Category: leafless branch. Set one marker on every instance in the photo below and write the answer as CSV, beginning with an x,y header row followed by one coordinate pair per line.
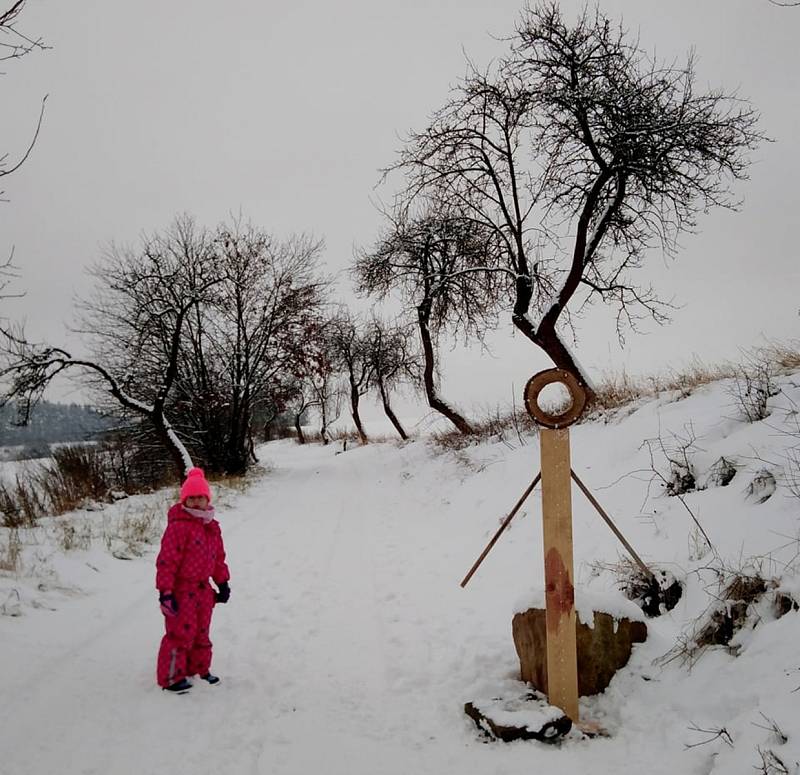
x,y
719,733
13,43
681,477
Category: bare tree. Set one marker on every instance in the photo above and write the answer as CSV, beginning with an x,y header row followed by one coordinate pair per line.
x,y
317,383
244,344
133,324
441,263
202,327
393,359
580,152
32,366
275,412
300,401
15,44
350,351
326,394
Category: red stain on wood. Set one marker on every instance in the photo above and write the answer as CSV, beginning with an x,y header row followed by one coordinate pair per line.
x,y
559,592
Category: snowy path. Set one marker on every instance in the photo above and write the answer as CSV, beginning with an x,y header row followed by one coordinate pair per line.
x,y
325,660
347,647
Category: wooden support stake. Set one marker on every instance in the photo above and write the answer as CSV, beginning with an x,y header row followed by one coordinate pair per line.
x,y
496,536
562,652
638,560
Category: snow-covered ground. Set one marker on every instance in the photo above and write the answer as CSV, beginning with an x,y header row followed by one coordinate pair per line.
x,y
349,647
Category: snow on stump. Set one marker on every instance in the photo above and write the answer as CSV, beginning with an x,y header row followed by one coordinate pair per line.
x,y
603,648
526,716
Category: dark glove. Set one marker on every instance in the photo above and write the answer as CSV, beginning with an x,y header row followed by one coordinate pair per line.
x,y
224,592
169,605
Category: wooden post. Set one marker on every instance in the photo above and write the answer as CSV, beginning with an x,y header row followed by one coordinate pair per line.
x,y
562,655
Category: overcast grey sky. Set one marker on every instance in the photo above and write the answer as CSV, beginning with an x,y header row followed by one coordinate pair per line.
x,y
286,111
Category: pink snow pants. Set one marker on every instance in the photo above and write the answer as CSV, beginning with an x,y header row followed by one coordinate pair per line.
x,y
186,648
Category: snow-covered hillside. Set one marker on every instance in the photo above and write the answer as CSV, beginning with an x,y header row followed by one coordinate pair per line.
x,y
349,647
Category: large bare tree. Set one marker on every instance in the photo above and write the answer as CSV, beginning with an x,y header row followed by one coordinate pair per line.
x,y
580,152
242,347
133,326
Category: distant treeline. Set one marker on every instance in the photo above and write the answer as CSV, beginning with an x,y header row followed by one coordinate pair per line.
x,y
52,422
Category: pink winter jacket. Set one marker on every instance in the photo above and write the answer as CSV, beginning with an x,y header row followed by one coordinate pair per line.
x,y
191,551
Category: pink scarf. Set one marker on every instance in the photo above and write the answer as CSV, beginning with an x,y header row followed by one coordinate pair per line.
x,y
205,514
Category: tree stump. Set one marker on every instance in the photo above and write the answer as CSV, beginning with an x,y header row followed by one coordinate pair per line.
x,y
602,649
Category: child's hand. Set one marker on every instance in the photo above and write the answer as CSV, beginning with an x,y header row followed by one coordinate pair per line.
x,y
169,605
224,593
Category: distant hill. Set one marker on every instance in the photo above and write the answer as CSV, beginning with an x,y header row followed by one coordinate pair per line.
x,y
51,423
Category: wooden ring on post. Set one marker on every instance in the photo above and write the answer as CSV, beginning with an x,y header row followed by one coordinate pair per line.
x,y
547,377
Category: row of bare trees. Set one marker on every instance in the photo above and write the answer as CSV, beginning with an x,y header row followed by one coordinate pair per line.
x,y
539,188
373,356
196,335
349,359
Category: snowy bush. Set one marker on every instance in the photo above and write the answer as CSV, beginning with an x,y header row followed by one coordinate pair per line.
x,y
677,454
75,474
125,536
744,598
11,552
763,486
79,476
21,503
721,473
681,479
73,535
653,594
752,387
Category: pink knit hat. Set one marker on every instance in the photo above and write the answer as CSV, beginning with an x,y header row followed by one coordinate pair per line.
x,y
195,484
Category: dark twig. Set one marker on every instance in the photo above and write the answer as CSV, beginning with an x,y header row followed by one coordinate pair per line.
x,y
715,734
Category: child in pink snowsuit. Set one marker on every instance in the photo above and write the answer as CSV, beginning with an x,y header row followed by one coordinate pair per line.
x,y
191,552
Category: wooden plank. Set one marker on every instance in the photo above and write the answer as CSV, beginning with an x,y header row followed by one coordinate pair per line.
x,y
562,655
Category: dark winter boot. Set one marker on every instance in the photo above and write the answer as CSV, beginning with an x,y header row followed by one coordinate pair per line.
x,y
210,679
179,687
